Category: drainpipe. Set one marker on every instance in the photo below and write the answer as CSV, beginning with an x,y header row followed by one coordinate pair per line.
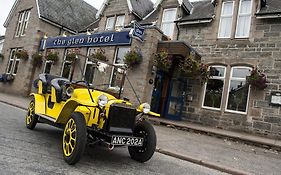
x,y
178,30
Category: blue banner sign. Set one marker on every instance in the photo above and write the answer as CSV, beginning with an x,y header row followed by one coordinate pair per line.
x,y
138,32
97,39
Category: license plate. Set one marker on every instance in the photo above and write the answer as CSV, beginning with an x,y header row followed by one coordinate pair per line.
x,y
127,140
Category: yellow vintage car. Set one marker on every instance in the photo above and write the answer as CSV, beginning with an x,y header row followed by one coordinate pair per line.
x,y
89,115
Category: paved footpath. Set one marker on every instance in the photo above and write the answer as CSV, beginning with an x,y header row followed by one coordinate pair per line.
x,y
220,154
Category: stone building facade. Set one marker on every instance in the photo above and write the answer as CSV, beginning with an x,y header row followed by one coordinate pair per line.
x,y
232,37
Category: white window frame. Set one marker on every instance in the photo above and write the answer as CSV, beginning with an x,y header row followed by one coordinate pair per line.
x,y
22,23
112,71
88,61
245,14
228,89
45,65
123,22
226,16
107,27
170,21
217,78
66,61
14,59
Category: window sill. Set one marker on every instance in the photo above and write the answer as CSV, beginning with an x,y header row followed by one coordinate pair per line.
x,y
210,108
235,112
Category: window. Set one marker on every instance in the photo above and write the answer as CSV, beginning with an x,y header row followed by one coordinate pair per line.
x,y
22,23
47,67
13,63
238,92
214,88
169,16
112,24
89,69
244,19
227,25
66,67
226,20
116,76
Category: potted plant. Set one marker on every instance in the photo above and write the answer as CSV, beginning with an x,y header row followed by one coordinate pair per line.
x,y
52,56
99,54
22,54
192,68
37,59
133,58
161,61
70,56
257,79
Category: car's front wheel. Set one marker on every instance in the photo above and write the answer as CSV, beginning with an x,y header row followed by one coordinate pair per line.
x,y
74,138
31,118
144,153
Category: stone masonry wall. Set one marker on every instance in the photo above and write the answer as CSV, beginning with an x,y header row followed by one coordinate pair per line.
x,y
261,49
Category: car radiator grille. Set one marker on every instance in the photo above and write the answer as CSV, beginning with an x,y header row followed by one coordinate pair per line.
x,y
121,118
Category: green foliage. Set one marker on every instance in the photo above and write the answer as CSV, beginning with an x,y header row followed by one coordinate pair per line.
x,y
52,56
37,59
99,54
162,62
257,79
133,58
70,56
22,54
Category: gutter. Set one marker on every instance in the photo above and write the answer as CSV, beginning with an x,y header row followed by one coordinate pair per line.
x,y
195,21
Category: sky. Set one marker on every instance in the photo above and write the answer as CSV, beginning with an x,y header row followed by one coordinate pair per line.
x,y
6,5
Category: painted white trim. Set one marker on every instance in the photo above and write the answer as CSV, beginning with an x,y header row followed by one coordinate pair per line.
x,y
221,18
100,11
130,5
223,89
158,2
268,16
196,22
6,23
238,16
38,10
227,95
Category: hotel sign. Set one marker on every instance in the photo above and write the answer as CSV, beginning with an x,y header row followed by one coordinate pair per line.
x,y
97,39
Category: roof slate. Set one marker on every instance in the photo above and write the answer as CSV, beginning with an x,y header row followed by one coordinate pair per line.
x,y
72,14
142,7
201,10
271,7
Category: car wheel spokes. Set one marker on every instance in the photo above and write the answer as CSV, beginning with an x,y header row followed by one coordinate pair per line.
x,y
69,137
30,113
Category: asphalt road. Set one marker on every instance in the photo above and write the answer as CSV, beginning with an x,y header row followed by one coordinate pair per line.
x,y
23,151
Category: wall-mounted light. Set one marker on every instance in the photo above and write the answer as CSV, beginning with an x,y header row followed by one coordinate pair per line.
x,y
64,34
88,32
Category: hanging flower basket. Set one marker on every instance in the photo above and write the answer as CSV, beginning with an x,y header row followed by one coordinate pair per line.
x,y
37,59
70,56
257,79
190,67
133,58
22,54
99,54
52,56
161,61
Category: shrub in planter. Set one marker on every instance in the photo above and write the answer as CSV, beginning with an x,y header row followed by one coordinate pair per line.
x,y
99,54
133,58
52,56
37,59
257,79
22,54
161,61
70,56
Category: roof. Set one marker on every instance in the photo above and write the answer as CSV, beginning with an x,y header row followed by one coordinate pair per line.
x,y
141,7
152,17
184,3
270,7
92,26
76,14
202,10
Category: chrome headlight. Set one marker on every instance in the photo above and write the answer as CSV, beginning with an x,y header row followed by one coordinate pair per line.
x,y
102,100
146,108
69,91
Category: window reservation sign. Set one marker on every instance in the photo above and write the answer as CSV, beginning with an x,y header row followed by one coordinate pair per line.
x,y
83,40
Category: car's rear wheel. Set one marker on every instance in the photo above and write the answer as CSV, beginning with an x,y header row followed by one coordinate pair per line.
x,y
31,118
74,138
144,153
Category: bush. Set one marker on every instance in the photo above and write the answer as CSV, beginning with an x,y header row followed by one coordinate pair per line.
x,y
162,62
133,58
99,54
22,54
52,56
257,79
70,56
37,59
